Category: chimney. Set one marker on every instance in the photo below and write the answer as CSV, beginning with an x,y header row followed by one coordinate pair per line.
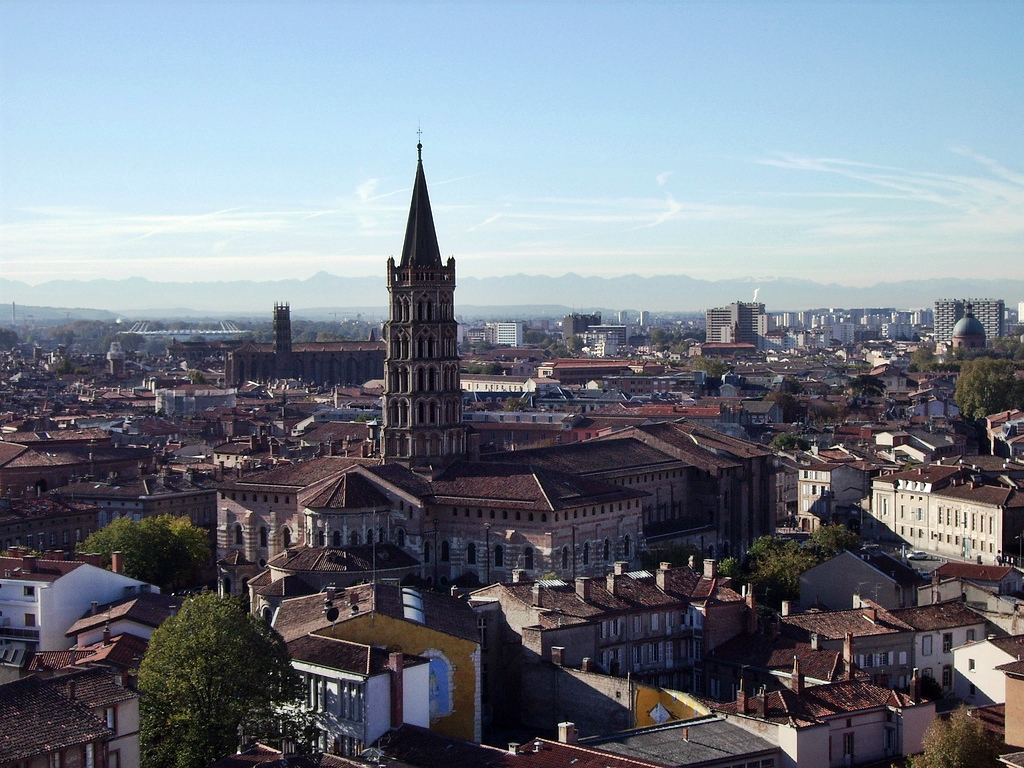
x,y
686,733
741,699
513,747
583,588
396,663
517,575
106,634
871,615
692,563
848,655
751,602
786,605
759,703
815,641
661,575
710,568
28,563
535,594
935,586
587,664
620,567
610,583
117,562
93,607
558,655
567,733
915,687
797,679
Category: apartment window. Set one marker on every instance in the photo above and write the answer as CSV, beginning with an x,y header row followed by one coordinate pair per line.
x,y
30,621
111,716
947,676
947,642
654,622
970,635
637,625
926,645
636,655
30,591
848,745
970,665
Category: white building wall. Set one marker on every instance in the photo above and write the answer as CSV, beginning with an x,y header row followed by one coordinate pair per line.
x,y
989,684
416,695
378,706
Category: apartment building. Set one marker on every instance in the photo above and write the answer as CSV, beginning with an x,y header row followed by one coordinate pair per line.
x,y
990,312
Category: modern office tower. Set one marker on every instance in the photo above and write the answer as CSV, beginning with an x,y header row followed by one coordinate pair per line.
x,y
575,323
990,312
740,322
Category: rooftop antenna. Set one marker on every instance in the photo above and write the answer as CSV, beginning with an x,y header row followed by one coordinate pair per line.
x,y
419,143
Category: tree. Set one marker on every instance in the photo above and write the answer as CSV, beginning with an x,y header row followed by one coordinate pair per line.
x,y
867,385
787,442
829,540
788,403
714,367
196,377
922,359
959,741
212,671
987,385
774,567
8,338
167,551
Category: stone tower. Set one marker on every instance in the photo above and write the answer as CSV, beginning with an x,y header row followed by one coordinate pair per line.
x,y
282,341
422,394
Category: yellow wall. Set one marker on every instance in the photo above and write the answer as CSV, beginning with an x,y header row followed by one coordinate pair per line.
x,y
679,705
417,639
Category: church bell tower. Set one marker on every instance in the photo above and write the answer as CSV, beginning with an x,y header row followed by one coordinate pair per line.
x,y
422,394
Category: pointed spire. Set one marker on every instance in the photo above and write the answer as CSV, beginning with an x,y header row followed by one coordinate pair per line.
x,y
420,249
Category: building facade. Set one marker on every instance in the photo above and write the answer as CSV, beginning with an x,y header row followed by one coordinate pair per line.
x,y
990,312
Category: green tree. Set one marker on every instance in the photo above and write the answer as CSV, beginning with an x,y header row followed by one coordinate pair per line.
x,y
787,442
196,377
167,551
866,385
211,672
829,540
987,385
516,404
788,403
922,359
960,741
714,367
774,567
8,338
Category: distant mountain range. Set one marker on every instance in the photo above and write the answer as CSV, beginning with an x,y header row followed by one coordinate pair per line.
x,y
325,295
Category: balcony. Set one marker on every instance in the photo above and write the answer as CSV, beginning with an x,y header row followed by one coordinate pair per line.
x,y
19,633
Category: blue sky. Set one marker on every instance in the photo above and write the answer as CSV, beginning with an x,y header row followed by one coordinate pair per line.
x,y
845,142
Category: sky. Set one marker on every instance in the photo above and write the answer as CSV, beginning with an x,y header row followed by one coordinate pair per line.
x,y
840,142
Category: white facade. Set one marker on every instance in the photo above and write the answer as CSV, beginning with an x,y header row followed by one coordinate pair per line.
x,y
36,612
977,682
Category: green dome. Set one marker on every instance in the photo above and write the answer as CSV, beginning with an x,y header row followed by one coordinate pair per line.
x,y
969,326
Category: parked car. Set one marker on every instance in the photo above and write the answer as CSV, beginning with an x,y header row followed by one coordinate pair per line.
x,y
917,554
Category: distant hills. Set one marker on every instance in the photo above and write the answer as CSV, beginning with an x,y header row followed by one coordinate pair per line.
x,y
324,295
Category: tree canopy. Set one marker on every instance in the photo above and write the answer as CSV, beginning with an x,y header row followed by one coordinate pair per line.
x,y
714,367
866,385
960,741
786,442
987,385
211,672
827,541
165,550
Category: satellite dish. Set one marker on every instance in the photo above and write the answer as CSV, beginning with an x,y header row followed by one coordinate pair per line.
x,y
331,614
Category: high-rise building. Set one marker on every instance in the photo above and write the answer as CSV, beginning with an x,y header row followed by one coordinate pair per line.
x,y
422,393
509,334
990,312
576,323
739,323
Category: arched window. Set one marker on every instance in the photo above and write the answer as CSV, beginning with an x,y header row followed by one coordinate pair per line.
x,y
286,537
353,539
528,558
369,537
446,552
607,549
426,551
586,553
401,537
239,535
263,536
625,545
380,535
499,556
320,537
471,554
336,539
565,558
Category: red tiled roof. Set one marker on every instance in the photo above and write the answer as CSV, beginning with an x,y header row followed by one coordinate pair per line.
x,y
149,609
943,615
974,571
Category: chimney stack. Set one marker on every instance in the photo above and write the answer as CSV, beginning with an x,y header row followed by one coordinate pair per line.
x,y
583,588
620,567
535,594
797,679
848,655
587,665
915,687
567,733
871,615
396,663
759,703
28,563
513,747
94,607
751,602
117,562
517,575
106,634
558,655
710,568
661,575
786,606
741,699
610,583
692,563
